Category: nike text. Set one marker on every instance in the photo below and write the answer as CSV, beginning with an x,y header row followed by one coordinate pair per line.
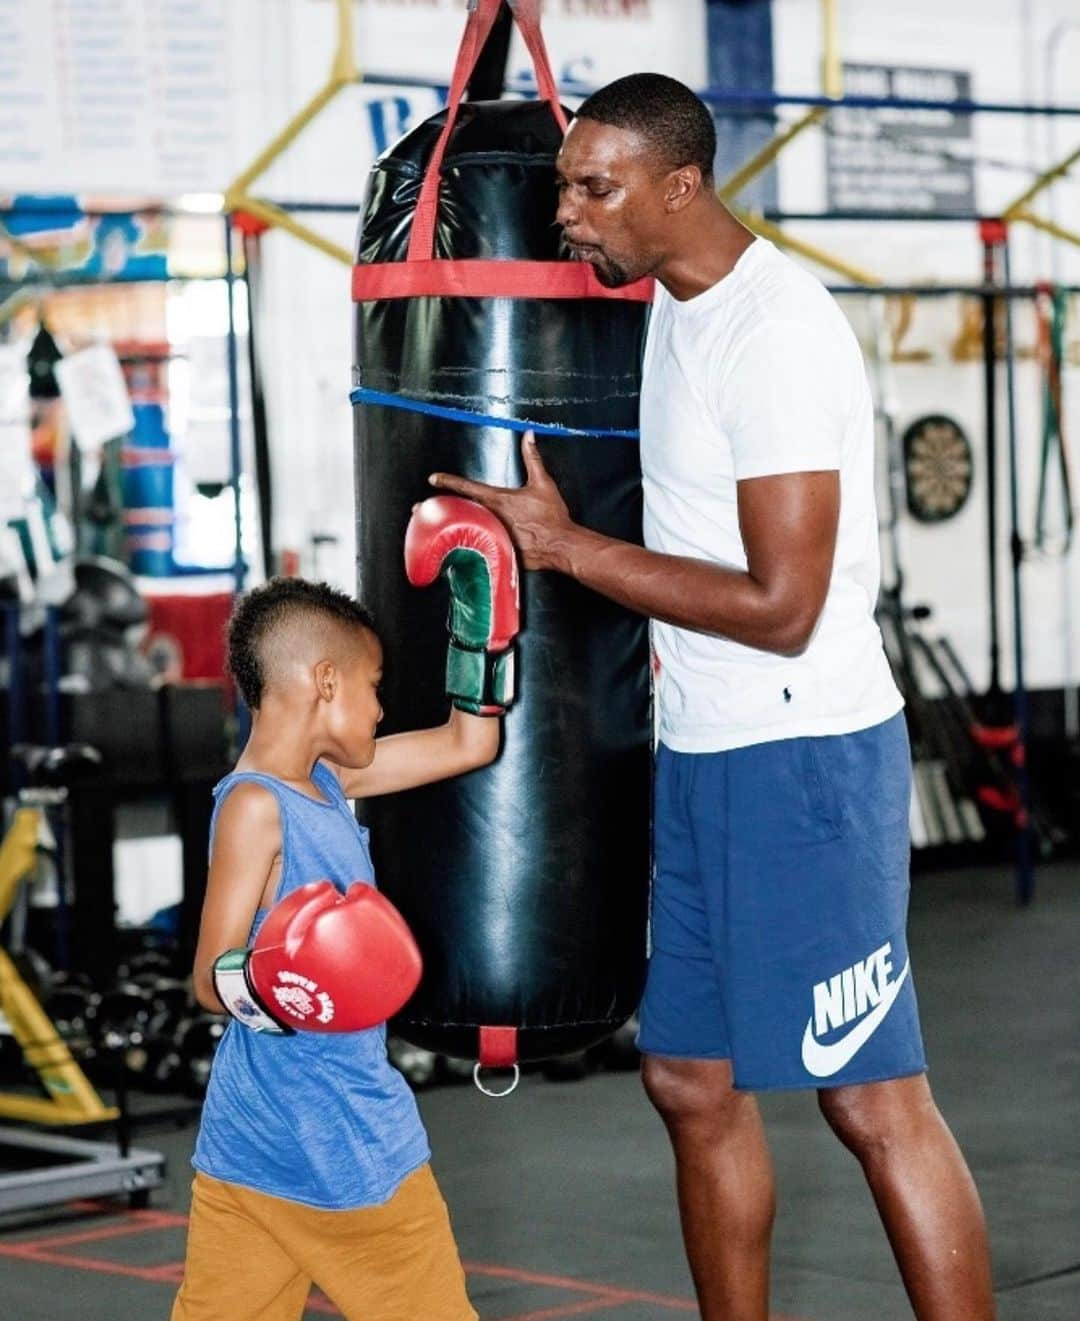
x,y
848,994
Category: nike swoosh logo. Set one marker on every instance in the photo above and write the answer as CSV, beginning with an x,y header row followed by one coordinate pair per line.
x,y
824,1061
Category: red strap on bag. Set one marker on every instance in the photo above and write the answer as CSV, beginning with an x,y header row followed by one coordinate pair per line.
x,y
482,16
527,14
483,278
421,274
498,1047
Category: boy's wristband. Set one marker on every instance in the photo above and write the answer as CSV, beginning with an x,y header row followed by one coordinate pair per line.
x,y
234,990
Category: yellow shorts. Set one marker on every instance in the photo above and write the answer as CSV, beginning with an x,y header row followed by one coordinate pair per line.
x,y
252,1256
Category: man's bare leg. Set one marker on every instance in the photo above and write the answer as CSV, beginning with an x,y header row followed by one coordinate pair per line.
x,y
924,1193
725,1183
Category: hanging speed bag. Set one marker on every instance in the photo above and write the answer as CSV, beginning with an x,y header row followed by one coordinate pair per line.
x,y
525,883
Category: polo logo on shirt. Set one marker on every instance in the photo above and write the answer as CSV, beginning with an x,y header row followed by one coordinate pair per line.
x,y
859,996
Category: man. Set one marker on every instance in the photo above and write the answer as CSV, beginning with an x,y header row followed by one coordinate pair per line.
x,y
779,953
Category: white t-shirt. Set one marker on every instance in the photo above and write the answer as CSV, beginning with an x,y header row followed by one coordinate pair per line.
x,y
761,374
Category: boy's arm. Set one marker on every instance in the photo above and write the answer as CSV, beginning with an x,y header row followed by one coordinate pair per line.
x,y
422,756
247,838
470,547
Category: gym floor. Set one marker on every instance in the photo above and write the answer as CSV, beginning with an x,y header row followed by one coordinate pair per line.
x,y
562,1196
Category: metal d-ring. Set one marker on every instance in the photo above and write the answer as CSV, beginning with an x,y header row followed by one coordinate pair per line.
x,y
487,1091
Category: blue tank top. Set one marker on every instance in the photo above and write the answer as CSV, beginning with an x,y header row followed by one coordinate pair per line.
x,y
319,1118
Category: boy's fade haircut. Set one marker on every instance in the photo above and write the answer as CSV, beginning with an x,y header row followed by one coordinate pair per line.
x,y
260,613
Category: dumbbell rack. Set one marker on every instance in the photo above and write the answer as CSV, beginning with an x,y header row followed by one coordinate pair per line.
x,y
41,1169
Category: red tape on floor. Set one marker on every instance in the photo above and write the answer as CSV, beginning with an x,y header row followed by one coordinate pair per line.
x,y
599,1297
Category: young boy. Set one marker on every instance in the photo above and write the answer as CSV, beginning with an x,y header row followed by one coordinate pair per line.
x,y
311,1160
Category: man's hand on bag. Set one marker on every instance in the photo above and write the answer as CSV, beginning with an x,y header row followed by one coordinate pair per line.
x,y
535,514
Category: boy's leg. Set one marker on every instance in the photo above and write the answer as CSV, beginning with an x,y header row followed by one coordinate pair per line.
x,y
923,1191
395,1262
234,1267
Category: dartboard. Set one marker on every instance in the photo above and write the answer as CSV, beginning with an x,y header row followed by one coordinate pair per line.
x,y
937,468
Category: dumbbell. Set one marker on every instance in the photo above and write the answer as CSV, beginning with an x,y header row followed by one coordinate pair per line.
x,y
568,1068
415,1064
154,1062
122,1016
455,1070
196,1041
34,969
619,1052
72,1004
147,966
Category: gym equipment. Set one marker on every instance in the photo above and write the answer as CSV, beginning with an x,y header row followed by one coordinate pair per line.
x,y
1025,868
98,659
62,1168
525,883
122,1017
417,1065
128,1035
251,231
568,1068
105,595
990,236
941,811
196,1041
73,1010
943,808
1051,308
996,752
99,626
41,364
620,1051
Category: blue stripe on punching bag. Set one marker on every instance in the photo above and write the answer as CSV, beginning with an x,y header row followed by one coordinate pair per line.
x,y
364,396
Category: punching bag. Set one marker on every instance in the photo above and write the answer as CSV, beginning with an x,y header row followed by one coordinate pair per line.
x,y
525,882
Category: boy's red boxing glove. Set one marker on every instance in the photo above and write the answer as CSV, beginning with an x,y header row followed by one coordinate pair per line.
x,y
472,548
322,962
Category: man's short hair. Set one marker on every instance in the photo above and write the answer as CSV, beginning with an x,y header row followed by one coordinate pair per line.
x,y
674,122
265,613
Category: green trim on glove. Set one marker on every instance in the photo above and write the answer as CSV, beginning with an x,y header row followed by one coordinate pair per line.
x,y
469,579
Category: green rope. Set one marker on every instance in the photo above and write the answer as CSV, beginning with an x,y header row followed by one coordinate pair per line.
x,y
1054,452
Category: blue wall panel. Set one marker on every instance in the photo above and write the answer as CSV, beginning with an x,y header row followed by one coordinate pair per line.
x,y
741,60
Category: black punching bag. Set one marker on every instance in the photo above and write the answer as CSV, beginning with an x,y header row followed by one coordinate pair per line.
x,y
526,882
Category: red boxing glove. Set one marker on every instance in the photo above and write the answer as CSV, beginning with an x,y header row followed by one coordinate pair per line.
x,y
471,547
322,962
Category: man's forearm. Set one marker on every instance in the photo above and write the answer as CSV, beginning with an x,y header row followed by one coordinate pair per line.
x,y
788,524
689,593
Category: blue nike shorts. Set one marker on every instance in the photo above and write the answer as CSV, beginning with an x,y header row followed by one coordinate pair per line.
x,y
779,911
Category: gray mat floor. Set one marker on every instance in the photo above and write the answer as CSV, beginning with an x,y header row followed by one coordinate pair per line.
x,y
562,1196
